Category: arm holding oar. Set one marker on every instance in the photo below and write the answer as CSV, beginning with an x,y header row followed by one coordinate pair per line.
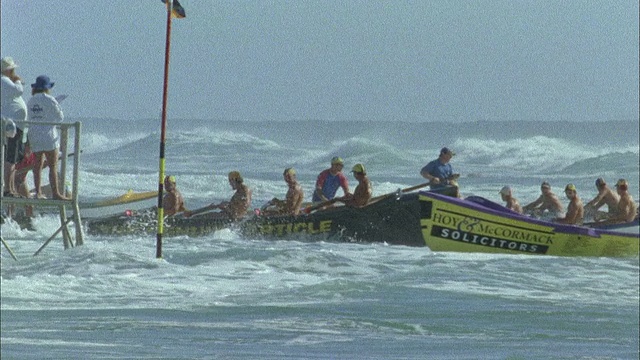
x,y
439,171
362,193
321,205
360,197
172,203
188,213
374,199
294,197
237,207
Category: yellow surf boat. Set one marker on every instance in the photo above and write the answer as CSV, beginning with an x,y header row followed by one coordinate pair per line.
x,y
478,225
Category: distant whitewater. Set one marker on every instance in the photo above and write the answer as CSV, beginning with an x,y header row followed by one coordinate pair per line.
x,y
489,154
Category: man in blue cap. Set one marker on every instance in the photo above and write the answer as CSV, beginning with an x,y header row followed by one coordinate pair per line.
x,y
439,172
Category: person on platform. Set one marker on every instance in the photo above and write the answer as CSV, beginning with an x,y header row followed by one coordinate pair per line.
x,y
605,196
329,181
511,202
439,172
547,202
293,200
362,193
236,208
27,164
22,170
12,107
575,210
172,202
44,139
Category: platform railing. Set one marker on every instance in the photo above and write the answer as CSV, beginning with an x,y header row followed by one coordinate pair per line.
x,y
60,204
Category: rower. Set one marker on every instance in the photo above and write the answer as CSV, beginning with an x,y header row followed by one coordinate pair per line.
x,y
236,207
172,202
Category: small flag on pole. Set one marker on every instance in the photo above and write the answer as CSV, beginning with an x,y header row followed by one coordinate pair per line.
x,y
177,11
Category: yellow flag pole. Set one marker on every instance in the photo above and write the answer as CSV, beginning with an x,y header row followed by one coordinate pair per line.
x,y
162,133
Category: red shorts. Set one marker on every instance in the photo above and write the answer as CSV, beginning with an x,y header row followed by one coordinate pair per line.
x,y
27,161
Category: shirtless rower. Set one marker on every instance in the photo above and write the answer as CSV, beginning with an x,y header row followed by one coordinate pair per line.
x,y
548,201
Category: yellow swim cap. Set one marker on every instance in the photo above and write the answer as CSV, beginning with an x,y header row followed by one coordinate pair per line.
x,y
570,187
235,176
622,182
171,179
337,160
358,168
290,171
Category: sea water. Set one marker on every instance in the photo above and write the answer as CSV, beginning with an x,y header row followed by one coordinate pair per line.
x,y
224,296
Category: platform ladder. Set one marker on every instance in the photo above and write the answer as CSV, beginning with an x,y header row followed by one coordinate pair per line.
x,y
60,204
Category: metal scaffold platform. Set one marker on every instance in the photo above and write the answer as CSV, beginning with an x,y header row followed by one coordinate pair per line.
x,y
9,203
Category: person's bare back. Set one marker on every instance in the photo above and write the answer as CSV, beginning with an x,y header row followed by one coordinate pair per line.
x,y
575,210
293,199
513,204
362,194
627,209
239,203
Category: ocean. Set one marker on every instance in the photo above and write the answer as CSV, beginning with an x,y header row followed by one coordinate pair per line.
x,y
227,297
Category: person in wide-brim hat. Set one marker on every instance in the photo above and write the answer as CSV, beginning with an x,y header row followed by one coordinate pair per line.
x,y
42,83
44,140
8,63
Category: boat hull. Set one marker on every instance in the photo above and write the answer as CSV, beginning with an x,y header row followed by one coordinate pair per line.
x,y
391,220
441,222
456,225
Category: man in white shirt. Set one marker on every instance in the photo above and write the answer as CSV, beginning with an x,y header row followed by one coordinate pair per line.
x,y
14,108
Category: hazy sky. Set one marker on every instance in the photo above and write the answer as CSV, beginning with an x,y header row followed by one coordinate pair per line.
x,y
334,59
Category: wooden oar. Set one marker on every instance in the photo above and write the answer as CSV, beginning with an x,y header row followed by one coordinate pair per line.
x,y
334,200
321,205
596,224
273,202
405,190
200,210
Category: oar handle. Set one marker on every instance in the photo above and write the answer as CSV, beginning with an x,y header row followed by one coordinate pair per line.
x,y
416,187
321,205
201,210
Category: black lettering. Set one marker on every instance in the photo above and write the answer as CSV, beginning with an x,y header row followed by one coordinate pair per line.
x,y
495,242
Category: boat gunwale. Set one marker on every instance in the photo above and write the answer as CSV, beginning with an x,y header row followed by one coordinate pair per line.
x,y
559,228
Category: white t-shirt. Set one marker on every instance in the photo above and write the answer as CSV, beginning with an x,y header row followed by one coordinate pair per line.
x,y
12,105
44,108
